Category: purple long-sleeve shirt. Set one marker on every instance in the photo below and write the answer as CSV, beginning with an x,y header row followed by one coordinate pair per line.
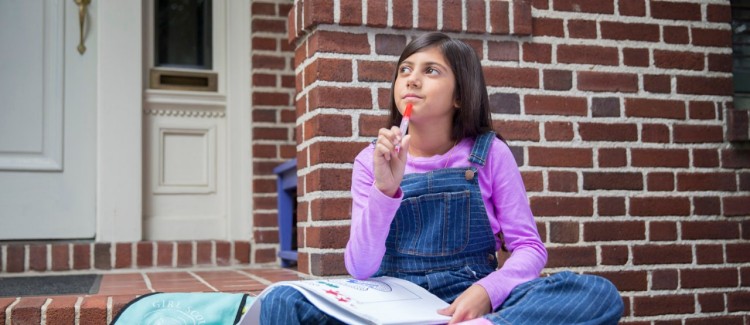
x,y
504,197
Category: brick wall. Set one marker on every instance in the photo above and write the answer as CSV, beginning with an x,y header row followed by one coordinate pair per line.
x,y
273,118
615,111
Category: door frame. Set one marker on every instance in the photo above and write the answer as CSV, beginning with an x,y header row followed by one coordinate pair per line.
x,y
119,120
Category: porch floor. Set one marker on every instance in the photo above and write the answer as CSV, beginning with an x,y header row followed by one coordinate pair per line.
x,y
117,289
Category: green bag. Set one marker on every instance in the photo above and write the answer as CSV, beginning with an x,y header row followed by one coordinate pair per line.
x,y
184,308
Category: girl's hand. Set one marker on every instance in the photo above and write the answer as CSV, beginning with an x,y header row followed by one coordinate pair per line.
x,y
472,303
389,165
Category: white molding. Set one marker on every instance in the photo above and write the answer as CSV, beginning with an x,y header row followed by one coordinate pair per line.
x,y
119,125
158,159
50,156
239,150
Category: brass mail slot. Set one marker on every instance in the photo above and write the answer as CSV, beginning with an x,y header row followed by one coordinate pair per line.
x,y
183,80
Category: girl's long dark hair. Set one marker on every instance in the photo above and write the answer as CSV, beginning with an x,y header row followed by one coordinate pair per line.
x,y
473,116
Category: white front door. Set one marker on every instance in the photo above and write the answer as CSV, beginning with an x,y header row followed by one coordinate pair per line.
x,y
48,97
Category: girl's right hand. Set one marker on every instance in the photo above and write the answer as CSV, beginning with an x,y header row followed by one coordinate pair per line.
x,y
389,165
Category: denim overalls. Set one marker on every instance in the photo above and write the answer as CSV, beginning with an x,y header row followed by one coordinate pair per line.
x,y
441,237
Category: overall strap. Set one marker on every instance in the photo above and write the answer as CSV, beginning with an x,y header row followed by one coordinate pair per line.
x,y
481,148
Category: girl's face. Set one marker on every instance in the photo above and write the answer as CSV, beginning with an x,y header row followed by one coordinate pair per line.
x,y
426,80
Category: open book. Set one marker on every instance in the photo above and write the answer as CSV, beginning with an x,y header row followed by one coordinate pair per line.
x,y
382,300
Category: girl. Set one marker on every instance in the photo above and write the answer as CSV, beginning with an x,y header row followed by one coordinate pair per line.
x,y
435,210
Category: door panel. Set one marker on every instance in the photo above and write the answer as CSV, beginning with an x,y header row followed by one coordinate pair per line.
x,y
47,122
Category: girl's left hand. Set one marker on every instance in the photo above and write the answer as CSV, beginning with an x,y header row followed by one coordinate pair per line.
x,y
472,303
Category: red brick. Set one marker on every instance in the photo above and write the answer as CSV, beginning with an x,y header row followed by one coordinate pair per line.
x,y
563,232
340,97
402,18
94,310
675,10
328,126
263,9
145,253
712,37
452,16
659,206
81,256
533,181
503,51
568,256
736,205
659,157
629,31
632,7
737,253
676,34
269,255
518,130
328,180
522,18
62,310
706,206
744,181
664,279
711,302
558,131
711,320
720,62
560,181
657,83
582,28
540,4
164,253
223,253
738,301
611,230
537,52
560,157
339,42
331,209
612,157
587,54
667,254
719,13
660,182
242,252
696,85
60,257
512,77
608,132
601,7
655,133
701,110
548,27
612,181
350,13
204,249
655,108
607,82
335,152
377,13
562,206
28,310
709,254
328,70
499,18
662,231
427,15
555,105
635,57
504,103
37,257
735,158
369,126
611,206
327,264
710,230
15,258
708,278
476,9
123,255
184,254
626,280
605,107
614,255
679,60
375,71
706,182
327,237
269,25
264,43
